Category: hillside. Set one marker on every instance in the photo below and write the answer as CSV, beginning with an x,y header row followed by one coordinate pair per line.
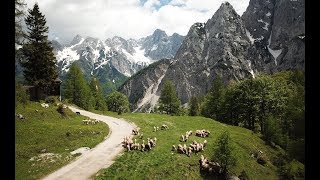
x,y
44,139
162,163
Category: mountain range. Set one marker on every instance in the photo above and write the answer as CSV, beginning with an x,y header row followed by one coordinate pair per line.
x,y
115,59
267,38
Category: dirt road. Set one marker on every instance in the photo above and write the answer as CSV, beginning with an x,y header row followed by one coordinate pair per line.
x,y
101,156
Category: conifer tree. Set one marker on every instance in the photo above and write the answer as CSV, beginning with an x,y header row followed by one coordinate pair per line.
x,y
194,106
76,88
39,63
169,101
96,90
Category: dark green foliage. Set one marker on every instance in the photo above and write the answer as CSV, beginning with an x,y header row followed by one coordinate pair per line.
x,y
194,106
39,63
52,99
212,106
223,152
76,88
169,102
21,95
243,175
64,111
99,102
117,102
292,170
273,132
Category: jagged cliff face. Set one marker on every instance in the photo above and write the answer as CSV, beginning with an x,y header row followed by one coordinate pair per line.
x,y
216,48
142,88
269,37
279,27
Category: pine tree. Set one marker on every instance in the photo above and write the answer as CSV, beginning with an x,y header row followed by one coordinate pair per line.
x,y
214,100
96,90
194,106
223,152
76,88
40,63
169,101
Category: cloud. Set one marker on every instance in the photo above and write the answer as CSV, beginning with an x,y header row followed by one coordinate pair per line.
x,y
129,19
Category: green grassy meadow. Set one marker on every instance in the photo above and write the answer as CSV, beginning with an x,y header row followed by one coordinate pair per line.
x,y
162,163
59,135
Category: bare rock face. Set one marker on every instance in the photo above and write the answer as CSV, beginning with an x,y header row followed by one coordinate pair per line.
x,y
279,27
269,37
216,48
142,88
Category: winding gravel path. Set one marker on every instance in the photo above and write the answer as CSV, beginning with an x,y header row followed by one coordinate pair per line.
x,y
101,156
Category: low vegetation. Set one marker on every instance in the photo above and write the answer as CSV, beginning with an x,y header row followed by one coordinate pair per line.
x,y
44,138
163,163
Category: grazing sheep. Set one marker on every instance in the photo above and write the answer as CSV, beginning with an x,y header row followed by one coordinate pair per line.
x,y
154,129
205,143
173,148
135,131
128,147
20,116
143,146
189,151
141,136
182,138
209,167
164,127
152,144
185,148
148,146
155,140
44,105
180,149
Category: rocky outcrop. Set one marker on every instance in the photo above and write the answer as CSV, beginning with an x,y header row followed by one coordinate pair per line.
x,y
269,37
216,48
142,88
279,27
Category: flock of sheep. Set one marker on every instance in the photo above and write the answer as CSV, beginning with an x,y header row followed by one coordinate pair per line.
x,y
90,121
210,167
195,147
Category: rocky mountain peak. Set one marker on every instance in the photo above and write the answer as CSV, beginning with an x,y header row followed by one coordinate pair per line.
x,y
76,40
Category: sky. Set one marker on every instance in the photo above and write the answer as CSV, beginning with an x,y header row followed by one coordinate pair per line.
x,y
125,18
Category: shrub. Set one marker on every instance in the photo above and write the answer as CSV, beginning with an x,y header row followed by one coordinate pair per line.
x,y
243,175
223,153
64,111
52,100
292,170
21,95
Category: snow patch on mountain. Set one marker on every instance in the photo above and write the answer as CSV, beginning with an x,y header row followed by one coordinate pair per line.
x,y
274,53
250,36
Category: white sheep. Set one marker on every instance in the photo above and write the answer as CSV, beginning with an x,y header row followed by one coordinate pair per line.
x,y
205,143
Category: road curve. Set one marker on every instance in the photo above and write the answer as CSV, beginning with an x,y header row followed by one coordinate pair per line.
x,y
101,156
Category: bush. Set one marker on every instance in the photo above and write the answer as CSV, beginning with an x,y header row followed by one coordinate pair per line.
x,y
292,170
117,102
262,160
243,175
223,153
64,111
21,95
52,100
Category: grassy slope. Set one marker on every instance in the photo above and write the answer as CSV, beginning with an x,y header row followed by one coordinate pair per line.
x,y
162,163
47,129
